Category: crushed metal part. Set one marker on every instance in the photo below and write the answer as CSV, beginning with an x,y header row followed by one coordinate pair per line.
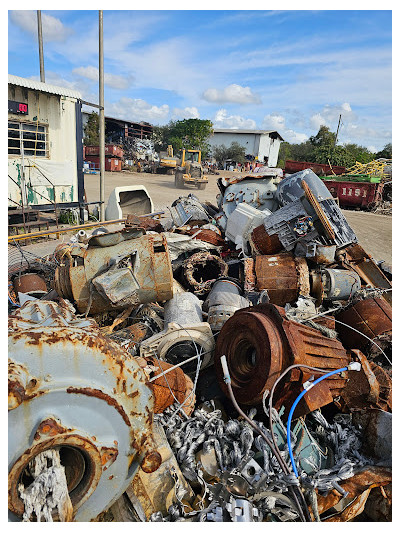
x,y
48,492
201,270
134,271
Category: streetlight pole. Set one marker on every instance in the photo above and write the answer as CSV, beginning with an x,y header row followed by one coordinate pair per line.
x,y
101,117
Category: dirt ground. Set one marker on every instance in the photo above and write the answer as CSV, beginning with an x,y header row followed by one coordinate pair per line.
x,y
373,231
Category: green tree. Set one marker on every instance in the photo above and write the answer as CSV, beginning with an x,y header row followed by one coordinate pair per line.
x,y
191,134
91,130
235,151
386,152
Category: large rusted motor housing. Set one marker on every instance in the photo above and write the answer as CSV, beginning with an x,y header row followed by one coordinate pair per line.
x,y
116,270
260,343
73,389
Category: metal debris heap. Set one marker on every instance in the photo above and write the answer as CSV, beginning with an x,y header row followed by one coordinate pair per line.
x,y
229,363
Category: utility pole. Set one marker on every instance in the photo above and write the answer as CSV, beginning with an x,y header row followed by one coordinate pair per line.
x,y
337,131
101,117
40,39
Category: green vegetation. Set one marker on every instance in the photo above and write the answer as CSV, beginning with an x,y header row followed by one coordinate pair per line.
x,y
386,152
320,148
235,151
91,130
190,134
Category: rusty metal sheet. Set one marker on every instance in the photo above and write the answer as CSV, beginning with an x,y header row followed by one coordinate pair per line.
x,y
371,387
358,487
249,274
371,316
147,223
356,258
174,383
30,283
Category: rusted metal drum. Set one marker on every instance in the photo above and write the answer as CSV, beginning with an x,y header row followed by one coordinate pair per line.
x,y
30,283
284,276
262,243
259,343
372,317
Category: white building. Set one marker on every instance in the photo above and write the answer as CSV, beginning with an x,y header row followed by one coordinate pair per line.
x,y
262,145
44,144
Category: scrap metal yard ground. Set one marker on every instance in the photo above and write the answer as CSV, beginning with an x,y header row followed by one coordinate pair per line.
x,y
374,231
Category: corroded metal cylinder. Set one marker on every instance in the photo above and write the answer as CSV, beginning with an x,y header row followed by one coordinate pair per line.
x,y
115,273
74,390
370,316
223,301
284,276
262,243
259,343
30,283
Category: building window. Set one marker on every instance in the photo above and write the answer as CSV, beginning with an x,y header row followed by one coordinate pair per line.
x,y
32,137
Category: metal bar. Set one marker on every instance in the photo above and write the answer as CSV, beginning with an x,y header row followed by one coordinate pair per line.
x,y
91,104
40,39
76,228
101,116
79,158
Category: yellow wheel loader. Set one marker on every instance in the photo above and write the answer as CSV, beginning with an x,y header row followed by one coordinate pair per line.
x,y
168,162
190,170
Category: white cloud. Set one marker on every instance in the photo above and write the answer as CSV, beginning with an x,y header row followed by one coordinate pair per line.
x,y
274,121
329,115
316,121
52,27
235,94
136,109
234,122
277,122
112,80
187,112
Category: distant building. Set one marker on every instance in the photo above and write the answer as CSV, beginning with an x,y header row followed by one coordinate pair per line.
x,y
262,145
44,144
118,130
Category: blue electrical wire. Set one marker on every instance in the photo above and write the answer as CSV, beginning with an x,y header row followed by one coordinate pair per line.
x,y
299,397
13,303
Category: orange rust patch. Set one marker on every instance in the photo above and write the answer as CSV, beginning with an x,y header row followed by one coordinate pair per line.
x,y
87,391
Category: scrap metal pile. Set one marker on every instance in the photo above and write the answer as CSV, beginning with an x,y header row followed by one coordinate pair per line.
x,y
229,362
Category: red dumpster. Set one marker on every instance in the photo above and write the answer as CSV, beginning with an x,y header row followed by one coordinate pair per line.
x,y
295,166
109,149
355,194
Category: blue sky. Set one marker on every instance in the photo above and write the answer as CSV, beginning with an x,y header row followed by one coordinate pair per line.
x,y
286,70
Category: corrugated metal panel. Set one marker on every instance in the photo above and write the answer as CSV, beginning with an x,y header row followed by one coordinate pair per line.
x,y
43,87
